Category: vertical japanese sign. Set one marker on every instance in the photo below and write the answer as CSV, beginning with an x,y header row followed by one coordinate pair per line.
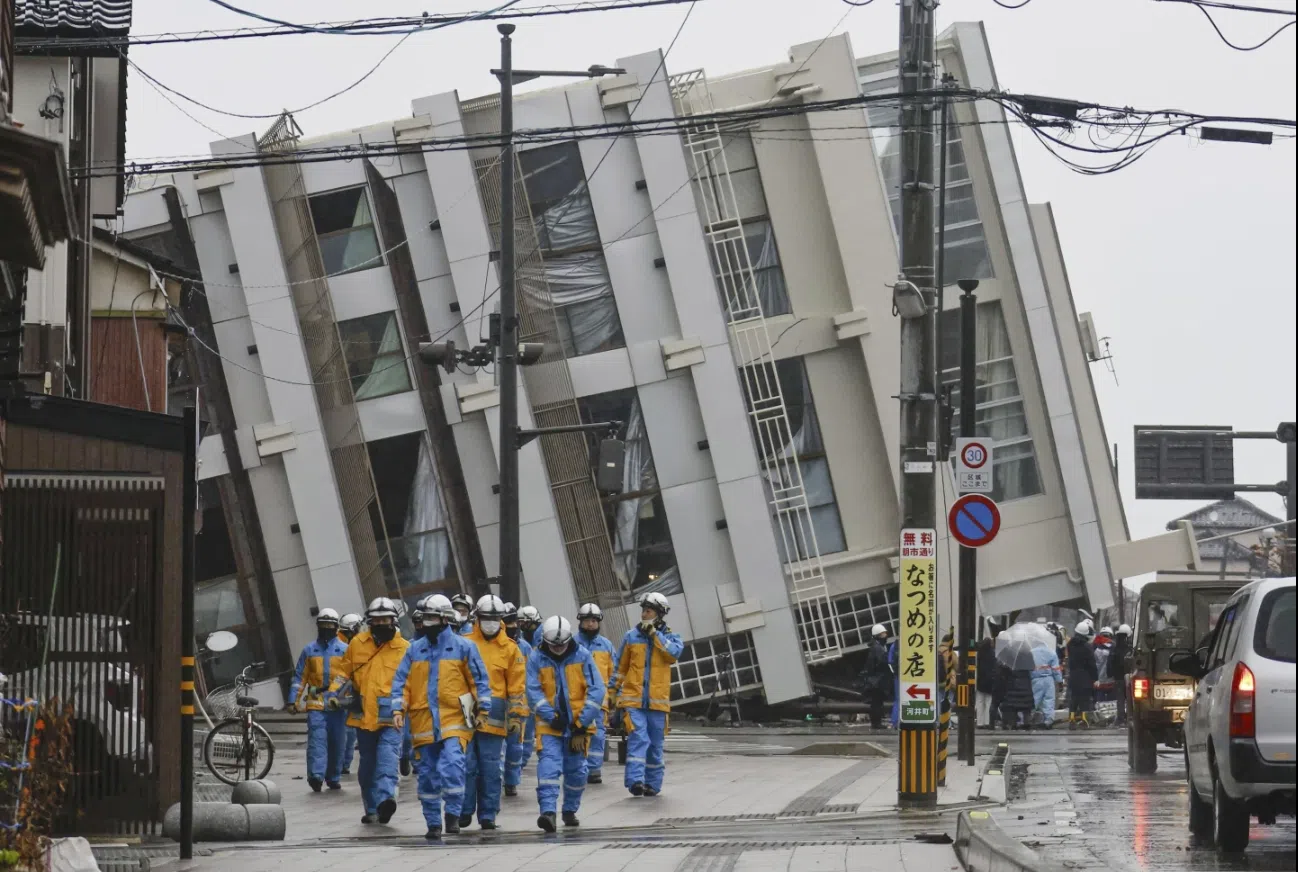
x,y
917,630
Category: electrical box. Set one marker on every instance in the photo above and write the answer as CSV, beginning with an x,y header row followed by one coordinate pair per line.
x,y
609,466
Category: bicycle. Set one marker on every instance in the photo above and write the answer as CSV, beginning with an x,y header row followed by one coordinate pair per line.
x,y
238,748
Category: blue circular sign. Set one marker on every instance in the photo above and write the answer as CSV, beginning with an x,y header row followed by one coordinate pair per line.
x,y
974,520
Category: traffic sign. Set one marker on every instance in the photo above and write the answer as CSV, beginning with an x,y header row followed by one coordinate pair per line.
x,y
974,520
917,631
973,466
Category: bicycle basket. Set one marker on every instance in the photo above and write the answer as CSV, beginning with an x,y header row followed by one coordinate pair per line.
x,y
226,750
220,703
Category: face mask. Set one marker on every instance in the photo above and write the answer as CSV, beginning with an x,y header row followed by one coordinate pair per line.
x,y
512,632
432,631
590,634
384,633
489,628
556,650
324,634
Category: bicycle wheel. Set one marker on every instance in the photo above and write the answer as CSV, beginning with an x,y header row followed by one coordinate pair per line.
x,y
229,757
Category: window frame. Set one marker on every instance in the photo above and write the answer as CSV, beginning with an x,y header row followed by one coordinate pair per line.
x,y
400,359
378,260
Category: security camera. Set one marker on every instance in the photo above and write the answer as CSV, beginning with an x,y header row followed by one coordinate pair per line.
x,y
530,352
438,354
968,285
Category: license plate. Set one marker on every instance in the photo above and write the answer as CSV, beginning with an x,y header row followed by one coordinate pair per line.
x,y
1173,692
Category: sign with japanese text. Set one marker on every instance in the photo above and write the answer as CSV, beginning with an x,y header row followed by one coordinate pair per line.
x,y
917,628
973,466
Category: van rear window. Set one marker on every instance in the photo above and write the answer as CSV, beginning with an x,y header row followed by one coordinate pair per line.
x,y
1274,637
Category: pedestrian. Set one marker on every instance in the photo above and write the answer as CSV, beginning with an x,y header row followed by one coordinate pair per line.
x,y
348,627
876,676
894,651
1102,646
567,693
371,661
529,631
516,742
947,668
589,619
642,676
1118,669
1082,675
1017,701
985,685
1046,675
438,692
463,605
507,674
326,731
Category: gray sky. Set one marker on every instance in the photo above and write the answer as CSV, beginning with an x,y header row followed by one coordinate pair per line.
x,y
1185,259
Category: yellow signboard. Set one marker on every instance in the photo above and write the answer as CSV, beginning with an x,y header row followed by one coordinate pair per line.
x,y
917,628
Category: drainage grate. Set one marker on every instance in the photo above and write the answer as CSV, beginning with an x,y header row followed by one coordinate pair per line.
x,y
818,797
748,846
841,808
716,818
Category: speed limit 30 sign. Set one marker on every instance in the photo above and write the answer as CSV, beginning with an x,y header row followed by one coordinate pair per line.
x,y
973,465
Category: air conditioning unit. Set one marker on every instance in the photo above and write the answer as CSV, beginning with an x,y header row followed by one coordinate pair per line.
x,y
1090,339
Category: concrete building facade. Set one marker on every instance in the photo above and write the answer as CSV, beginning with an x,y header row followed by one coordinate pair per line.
x,y
722,290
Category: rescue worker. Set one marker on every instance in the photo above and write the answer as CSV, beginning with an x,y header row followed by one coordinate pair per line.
x,y
988,706
947,668
589,619
529,630
876,676
516,742
463,605
440,687
642,676
326,731
1082,675
348,627
1046,675
1118,669
369,665
507,674
567,693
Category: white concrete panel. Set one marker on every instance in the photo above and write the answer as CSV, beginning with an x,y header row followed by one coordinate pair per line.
x,y
361,293
475,280
642,291
388,165
283,361
315,500
336,587
412,163
675,426
478,460
256,244
275,510
703,552
541,109
662,157
332,175
243,372
620,209
694,292
427,250
145,209
534,500
393,415
215,255
647,362
296,599
489,541
540,547
784,672
437,294
453,181
753,542
600,373
725,418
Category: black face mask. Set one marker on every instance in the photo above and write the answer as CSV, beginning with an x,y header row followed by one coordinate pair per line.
x,y
590,634
324,634
511,631
384,633
432,631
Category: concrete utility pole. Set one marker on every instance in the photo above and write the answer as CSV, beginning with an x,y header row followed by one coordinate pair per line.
x,y
968,596
507,363
914,297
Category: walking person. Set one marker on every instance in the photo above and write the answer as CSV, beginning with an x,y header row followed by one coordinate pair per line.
x,y
439,687
369,665
589,620
1118,669
1082,675
985,687
567,693
507,675
876,676
463,605
529,630
326,731
516,751
1046,676
348,627
643,679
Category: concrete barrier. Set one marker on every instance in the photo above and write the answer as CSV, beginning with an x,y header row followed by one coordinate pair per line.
x,y
982,846
993,784
228,822
263,792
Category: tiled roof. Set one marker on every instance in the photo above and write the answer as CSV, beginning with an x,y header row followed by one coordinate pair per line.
x,y
72,17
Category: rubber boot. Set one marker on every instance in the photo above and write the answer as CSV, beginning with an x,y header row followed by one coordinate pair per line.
x,y
595,778
570,819
387,808
452,824
511,790
404,766
466,819
433,834
334,785
315,783
368,819
637,789
649,791
487,825
546,822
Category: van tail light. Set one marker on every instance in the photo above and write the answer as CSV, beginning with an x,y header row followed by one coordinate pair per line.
x,y
1140,688
1242,697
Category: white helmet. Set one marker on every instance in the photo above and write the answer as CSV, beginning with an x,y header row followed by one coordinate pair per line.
x,y
878,630
438,604
1084,629
382,607
1124,630
657,602
350,622
590,610
529,615
1108,631
556,631
490,607
326,616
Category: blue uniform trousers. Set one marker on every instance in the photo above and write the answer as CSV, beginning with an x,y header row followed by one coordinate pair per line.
x,y
377,775
644,747
595,759
440,767
326,732
349,748
483,776
515,756
556,766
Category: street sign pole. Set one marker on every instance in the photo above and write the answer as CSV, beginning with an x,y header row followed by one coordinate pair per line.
x,y
967,595
917,685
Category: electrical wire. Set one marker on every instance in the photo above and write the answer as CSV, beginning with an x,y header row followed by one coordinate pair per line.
x,y
1203,6
1208,15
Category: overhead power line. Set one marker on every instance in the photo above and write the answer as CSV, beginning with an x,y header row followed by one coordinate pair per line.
x,y
1203,6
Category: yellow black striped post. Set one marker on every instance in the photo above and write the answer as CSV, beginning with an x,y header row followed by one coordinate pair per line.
x,y
917,781
943,734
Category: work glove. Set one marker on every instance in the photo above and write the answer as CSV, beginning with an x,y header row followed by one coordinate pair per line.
x,y
559,722
514,727
481,720
579,741
661,626
647,627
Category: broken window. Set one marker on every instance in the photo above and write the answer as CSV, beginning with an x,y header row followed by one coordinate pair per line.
x,y
409,516
344,228
376,360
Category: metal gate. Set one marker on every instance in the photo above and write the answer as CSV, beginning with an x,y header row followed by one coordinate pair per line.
x,y
80,602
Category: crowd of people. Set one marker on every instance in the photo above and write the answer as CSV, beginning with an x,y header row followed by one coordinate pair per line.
x,y
466,703
1017,691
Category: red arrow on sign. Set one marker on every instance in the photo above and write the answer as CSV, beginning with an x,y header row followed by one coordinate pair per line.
x,y
915,691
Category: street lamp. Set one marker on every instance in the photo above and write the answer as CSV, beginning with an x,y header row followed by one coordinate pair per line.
x,y
908,300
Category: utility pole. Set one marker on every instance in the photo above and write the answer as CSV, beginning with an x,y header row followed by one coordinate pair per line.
x,y
914,297
968,596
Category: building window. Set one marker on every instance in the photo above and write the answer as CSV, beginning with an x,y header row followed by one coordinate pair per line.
x,y
747,247
376,360
776,449
344,228
1001,416
643,555
859,612
408,517
716,666
967,255
576,281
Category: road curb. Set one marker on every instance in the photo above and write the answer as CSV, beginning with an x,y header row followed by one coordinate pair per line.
x,y
993,783
982,846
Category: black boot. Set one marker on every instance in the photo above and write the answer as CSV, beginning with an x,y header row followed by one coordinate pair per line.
x,y
570,819
387,808
433,834
595,778
487,825
452,824
368,818
315,783
651,791
637,789
334,785
466,819
404,766
511,790
546,822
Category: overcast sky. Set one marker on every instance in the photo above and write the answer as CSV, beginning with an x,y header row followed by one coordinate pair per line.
x,y
1185,259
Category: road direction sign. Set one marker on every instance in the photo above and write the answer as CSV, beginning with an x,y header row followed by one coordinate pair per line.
x,y
917,627
973,465
974,520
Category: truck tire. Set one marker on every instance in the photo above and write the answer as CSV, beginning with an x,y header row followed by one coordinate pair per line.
x,y
1229,820
1142,750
